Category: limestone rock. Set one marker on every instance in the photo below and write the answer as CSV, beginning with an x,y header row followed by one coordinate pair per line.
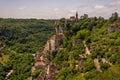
x,y
113,28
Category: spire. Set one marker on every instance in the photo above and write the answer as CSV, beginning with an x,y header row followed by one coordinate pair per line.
x,y
76,16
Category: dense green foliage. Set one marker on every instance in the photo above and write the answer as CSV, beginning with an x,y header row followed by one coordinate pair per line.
x,y
19,39
20,64
25,35
102,37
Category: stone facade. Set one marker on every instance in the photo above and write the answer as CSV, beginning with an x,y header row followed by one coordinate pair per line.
x,y
74,19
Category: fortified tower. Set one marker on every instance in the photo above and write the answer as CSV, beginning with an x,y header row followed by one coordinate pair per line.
x,y
76,16
74,19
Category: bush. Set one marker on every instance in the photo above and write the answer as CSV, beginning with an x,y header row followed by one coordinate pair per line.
x,y
82,34
88,65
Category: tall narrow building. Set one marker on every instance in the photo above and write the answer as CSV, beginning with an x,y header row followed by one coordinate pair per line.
x,y
76,16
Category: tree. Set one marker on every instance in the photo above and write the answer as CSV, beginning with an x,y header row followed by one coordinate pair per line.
x,y
88,65
82,34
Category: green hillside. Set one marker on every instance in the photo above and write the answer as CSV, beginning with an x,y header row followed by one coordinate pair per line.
x,y
19,39
25,35
91,50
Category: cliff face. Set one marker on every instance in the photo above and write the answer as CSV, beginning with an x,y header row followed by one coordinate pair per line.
x,y
113,27
53,44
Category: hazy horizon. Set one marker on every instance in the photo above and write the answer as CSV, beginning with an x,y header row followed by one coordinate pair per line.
x,y
55,9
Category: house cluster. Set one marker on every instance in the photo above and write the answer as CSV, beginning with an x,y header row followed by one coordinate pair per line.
x,y
74,18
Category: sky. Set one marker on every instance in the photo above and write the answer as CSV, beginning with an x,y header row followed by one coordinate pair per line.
x,y
55,9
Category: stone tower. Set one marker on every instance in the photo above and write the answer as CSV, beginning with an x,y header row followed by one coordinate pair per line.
x,y
76,16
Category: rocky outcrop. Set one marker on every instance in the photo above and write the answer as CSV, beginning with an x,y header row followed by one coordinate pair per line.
x,y
104,60
48,73
87,51
8,74
53,44
97,65
42,62
114,27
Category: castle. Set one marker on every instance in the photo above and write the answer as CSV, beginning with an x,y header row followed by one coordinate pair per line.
x,y
74,18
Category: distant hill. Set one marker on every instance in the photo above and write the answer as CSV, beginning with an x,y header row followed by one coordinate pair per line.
x,y
91,50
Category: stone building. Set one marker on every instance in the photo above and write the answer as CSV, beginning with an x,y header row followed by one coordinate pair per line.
x,y
85,16
74,18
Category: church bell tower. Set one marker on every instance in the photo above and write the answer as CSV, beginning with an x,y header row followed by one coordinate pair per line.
x,y
76,16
